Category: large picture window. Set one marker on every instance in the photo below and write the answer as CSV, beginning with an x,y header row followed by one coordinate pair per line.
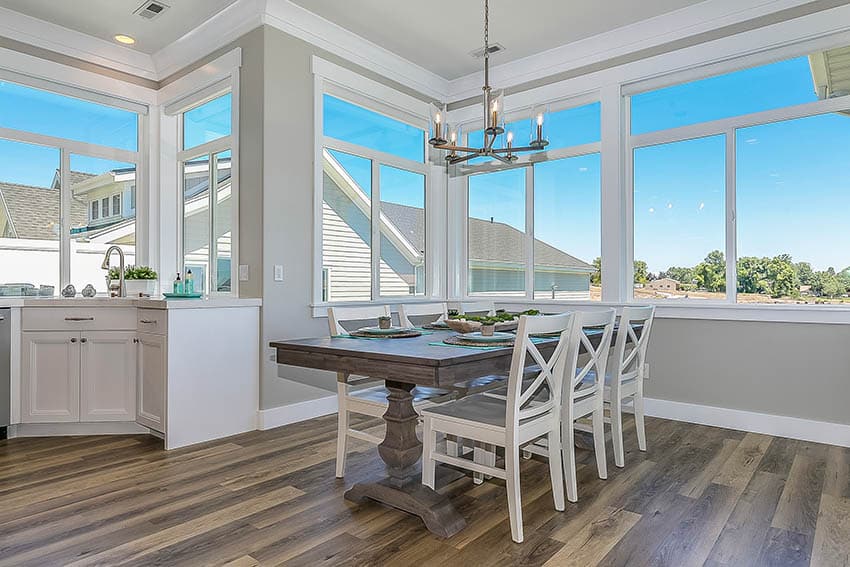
x,y
739,192
374,191
66,169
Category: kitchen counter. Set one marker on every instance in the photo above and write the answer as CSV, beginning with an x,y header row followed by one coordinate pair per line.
x,y
141,302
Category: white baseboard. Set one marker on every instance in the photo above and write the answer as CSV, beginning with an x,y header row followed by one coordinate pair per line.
x,y
777,425
293,413
65,429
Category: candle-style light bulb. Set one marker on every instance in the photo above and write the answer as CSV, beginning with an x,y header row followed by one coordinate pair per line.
x,y
540,126
510,138
495,109
454,137
438,127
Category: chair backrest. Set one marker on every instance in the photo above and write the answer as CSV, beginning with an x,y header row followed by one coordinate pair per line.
x,y
420,309
339,315
630,349
488,307
527,401
593,332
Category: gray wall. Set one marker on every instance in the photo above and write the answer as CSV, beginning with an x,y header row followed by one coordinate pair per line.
x,y
790,369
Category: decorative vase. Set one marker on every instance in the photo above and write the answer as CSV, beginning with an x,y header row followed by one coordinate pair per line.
x,y
488,330
385,322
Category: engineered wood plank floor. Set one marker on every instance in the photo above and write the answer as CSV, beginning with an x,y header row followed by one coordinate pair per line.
x,y
698,496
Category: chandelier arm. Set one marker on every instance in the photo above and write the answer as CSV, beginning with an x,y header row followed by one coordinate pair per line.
x,y
503,159
461,159
457,148
514,150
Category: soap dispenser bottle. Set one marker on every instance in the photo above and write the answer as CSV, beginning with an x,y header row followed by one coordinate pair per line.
x,y
178,286
190,283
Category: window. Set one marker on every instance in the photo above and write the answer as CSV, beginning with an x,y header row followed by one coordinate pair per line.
x,y
91,178
535,231
54,228
209,210
497,251
679,219
207,122
567,228
782,233
374,187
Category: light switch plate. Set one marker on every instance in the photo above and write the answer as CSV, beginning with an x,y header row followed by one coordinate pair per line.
x,y
278,273
243,272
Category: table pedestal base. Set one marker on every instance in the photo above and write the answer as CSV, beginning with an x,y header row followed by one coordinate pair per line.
x,y
436,511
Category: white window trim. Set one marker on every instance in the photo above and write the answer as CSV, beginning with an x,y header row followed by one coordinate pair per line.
x,y
210,81
343,83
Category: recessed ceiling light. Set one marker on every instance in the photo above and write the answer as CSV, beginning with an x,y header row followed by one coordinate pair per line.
x,y
125,39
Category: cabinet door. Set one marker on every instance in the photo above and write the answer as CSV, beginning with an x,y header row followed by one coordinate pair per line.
x,y
107,376
50,377
151,381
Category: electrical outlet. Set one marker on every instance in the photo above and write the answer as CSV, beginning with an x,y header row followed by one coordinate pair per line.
x,y
646,371
243,272
278,273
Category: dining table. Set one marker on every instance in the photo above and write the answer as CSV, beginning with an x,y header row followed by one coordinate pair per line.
x,y
403,364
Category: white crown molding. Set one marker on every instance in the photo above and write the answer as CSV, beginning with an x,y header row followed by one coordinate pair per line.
x,y
652,32
303,24
45,35
225,27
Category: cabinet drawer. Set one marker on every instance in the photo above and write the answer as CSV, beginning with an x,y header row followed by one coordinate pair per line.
x,y
152,321
78,319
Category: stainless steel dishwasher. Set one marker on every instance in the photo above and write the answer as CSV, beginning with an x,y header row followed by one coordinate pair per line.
x,y
5,369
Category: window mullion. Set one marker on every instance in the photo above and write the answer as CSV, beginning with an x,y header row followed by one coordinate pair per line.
x,y
376,229
731,224
64,217
529,232
212,271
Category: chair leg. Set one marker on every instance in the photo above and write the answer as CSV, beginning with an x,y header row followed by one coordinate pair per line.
x,y
479,455
341,433
568,445
514,497
451,446
429,439
556,468
599,441
639,425
617,432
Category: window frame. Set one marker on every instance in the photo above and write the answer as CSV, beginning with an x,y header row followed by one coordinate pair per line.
x,y
67,147
209,150
527,162
338,82
728,127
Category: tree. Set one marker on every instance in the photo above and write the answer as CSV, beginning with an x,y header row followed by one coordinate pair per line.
x,y
641,272
804,273
596,277
710,274
752,275
782,277
828,284
681,275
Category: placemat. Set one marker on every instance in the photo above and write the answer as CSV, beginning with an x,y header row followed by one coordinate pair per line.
x,y
403,335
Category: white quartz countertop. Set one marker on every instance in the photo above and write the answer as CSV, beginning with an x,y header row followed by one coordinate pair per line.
x,y
144,303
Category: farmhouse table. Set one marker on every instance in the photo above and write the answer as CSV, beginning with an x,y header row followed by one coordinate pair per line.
x,y
403,364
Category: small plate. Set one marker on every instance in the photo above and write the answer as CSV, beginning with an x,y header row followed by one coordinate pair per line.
x,y
494,338
380,331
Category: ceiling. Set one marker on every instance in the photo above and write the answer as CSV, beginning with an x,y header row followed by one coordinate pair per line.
x,y
105,18
439,34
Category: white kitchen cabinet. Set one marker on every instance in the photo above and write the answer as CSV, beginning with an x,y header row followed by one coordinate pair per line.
x,y
50,366
107,376
151,369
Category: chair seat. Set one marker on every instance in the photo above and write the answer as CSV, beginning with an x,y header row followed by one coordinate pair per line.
x,y
378,394
478,408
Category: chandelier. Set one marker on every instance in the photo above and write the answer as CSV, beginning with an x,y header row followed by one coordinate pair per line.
x,y
493,122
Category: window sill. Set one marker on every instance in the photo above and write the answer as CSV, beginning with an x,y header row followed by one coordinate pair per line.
x,y
320,310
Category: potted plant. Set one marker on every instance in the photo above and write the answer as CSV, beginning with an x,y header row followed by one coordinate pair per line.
x,y
385,322
138,280
488,325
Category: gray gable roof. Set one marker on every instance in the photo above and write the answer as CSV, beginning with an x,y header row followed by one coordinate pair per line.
x,y
488,241
34,211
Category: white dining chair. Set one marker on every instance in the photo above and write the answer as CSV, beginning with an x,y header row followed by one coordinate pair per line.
x,y
406,311
530,411
488,307
364,399
582,396
624,382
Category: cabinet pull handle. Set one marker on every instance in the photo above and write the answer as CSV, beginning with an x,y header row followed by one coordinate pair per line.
x,y
79,319
136,341
73,340
2,318
84,340
148,321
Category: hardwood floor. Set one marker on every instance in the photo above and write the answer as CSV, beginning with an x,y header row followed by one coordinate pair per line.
x,y
699,496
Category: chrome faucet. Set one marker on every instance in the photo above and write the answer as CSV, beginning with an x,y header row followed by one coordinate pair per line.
x,y
122,290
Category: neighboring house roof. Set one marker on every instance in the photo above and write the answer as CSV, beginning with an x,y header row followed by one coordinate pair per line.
x,y
831,72
34,211
75,176
494,242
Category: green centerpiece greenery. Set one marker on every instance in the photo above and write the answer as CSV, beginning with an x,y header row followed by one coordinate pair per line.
x,y
133,273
